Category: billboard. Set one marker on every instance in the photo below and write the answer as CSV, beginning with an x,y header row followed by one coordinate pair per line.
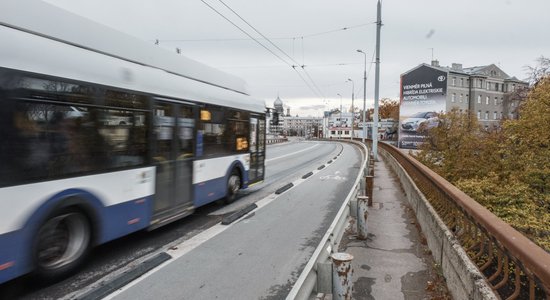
x,y
423,96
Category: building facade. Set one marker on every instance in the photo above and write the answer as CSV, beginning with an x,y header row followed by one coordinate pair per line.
x,y
309,127
338,124
426,90
486,90
278,110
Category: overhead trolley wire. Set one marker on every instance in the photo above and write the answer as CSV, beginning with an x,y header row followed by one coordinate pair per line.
x,y
243,31
257,41
272,38
277,47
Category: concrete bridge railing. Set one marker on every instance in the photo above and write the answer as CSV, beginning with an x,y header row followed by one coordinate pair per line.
x,y
481,256
275,140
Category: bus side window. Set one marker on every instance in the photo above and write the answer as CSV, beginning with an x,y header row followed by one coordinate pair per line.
x,y
17,133
238,131
213,130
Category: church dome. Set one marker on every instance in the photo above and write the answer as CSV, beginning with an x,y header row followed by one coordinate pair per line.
x,y
278,104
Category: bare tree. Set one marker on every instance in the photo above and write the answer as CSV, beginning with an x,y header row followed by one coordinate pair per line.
x,y
539,71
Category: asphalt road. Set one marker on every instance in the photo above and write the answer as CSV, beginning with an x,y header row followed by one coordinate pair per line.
x,y
264,252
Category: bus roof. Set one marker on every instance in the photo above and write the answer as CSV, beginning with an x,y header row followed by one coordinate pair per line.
x,y
52,22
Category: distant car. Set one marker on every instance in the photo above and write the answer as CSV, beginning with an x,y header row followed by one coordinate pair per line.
x,y
420,121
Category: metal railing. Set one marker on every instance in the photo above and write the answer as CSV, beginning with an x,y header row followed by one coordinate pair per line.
x,y
514,267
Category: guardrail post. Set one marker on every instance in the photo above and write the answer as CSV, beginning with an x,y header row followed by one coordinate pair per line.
x,y
362,187
324,277
369,180
353,208
371,169
342,272
362,215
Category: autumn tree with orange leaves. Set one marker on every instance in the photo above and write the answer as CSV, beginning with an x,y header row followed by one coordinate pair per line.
x,y
507,170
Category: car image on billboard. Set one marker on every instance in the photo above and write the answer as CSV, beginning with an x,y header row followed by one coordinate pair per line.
x,y
420,121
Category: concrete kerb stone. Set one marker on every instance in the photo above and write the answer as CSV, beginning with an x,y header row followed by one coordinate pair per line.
x,y
464,279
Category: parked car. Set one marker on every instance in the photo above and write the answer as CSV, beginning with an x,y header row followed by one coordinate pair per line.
x,y
420,121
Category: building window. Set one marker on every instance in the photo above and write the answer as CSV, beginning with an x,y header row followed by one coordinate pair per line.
x,y
346,132
495,115
480,83
461,81
479,99
486,115
333,132
496,86
479,114
488,85
486,100
496,100
454,81
460,99
453,97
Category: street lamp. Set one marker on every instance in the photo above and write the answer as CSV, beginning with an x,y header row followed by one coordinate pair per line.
x,y
364,95
340,131
352,107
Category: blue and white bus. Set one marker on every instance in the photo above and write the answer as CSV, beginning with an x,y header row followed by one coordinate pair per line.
x,y
103,135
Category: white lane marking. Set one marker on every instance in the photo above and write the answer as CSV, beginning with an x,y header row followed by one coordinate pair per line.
x,y
187,246
332,177
272,159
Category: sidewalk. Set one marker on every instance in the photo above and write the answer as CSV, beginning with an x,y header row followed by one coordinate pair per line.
x,y
394,262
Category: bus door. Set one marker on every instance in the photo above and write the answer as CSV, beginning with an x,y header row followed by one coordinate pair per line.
x,y
173,157
257,149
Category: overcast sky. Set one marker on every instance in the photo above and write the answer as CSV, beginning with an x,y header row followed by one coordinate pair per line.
x,y
508,33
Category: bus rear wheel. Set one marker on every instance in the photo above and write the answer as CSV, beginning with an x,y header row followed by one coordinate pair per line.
x,y
233,186
61,244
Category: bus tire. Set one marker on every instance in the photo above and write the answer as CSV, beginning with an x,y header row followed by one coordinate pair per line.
x,y
61,244
233,186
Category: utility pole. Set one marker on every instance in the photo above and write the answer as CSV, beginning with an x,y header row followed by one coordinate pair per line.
x,y
340,131
377,82
352,107
364,96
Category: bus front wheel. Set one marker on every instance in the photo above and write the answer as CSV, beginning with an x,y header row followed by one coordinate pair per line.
x,y
61,244
233,186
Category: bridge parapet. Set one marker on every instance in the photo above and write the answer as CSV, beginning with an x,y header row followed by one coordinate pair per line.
x,y
275,140
478,252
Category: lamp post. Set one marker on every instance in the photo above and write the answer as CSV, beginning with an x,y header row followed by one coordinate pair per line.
x,y
352,107
364,95
340,131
